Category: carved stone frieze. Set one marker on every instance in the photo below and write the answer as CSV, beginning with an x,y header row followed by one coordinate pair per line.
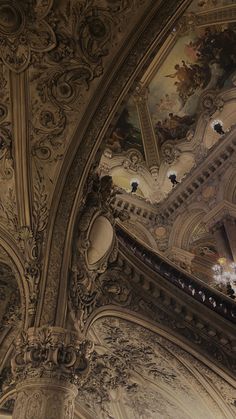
x,y
10,304
170,153
6,380
6,168
134,161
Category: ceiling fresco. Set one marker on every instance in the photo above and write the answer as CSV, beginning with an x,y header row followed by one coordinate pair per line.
x,y
178,94
166,137
200,60
127,132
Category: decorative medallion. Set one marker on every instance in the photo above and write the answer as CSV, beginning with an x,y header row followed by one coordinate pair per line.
x,y
23,30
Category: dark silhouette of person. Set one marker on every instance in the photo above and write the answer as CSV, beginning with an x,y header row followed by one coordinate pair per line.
x,y
134,187
218,128
173,179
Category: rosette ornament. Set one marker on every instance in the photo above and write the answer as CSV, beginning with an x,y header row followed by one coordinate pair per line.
x,y
24,30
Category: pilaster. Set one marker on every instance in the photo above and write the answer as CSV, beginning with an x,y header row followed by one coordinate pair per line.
x,y
151,149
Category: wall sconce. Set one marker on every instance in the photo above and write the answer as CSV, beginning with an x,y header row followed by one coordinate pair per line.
x,y
134,185
172,176
217,126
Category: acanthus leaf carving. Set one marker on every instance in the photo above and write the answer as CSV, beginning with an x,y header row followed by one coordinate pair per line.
x,y
40,209
51,352
85,277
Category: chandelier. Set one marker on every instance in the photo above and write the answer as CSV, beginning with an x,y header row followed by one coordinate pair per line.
x,y
225,276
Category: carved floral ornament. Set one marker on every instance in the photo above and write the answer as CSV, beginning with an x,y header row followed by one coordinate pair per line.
x,y
23,30
94,248
51,352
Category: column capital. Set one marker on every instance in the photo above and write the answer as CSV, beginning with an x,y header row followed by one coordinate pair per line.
x,y
51,352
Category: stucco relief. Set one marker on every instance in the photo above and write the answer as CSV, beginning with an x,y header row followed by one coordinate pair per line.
x,y
94,248
10,304
86,147
148,376
50,353
86,34
7,199
23,30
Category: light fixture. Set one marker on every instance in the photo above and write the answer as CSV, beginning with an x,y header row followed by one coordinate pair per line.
x,y
172,175
134,185
217,126
225,276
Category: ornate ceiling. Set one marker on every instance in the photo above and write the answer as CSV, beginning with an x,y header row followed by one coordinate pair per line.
x,y
188,85
166,128
126,88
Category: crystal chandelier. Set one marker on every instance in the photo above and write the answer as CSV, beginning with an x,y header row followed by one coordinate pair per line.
x,y
225,276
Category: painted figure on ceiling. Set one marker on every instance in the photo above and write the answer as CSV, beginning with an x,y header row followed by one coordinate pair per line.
x,y
125,135
207,60
174,127
189,78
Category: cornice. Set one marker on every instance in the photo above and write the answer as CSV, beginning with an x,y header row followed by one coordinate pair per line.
x,y
149,323
189,318
222,210
216,160
194,289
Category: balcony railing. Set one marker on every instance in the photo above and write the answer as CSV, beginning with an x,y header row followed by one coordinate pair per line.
x,y
190,285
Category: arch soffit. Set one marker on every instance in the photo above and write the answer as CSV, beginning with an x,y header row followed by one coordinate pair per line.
x,y
71,180
133,317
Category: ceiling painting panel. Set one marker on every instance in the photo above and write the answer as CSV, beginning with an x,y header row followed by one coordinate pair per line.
x,y
127,132
200,60
184,94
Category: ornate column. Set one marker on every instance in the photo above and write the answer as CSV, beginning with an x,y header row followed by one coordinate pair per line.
x,y
48,365
151,150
